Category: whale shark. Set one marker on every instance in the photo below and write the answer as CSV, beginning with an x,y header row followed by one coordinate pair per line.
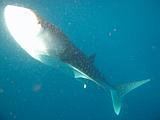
x,y
48,44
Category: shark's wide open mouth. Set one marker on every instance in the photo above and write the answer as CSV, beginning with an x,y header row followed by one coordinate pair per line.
x,y
24,27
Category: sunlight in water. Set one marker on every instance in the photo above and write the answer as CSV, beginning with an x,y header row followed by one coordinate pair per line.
x,y
24,26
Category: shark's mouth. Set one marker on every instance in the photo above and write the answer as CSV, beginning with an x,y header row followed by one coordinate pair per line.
x,y
25,28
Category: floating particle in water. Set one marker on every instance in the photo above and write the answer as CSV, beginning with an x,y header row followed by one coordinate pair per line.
x,y
84,86
132,57
109,34
25,100
19,91
153,47
115,30
61,91
75,1
69,23
1,90
12,82
83,40
12,115
37,87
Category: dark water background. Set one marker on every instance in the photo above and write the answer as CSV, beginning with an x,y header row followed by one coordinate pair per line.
x,y
124,34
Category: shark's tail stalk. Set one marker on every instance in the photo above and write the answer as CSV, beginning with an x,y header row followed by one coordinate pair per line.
x,y
120,91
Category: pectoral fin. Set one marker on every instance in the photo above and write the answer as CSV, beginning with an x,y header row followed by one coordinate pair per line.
x,y
79,74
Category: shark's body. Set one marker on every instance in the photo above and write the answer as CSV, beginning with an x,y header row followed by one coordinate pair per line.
x,y
48,44
63,50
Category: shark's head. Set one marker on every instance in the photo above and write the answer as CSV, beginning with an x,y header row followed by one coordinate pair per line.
x,y
25,28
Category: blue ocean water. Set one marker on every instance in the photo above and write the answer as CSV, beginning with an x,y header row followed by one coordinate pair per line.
x,y
125,37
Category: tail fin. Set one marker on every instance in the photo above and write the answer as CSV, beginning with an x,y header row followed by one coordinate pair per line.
x,y
120,91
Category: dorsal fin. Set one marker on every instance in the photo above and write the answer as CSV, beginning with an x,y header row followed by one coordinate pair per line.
x,y
92,57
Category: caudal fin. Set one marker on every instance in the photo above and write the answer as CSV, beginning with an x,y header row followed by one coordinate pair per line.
x,y
120,91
